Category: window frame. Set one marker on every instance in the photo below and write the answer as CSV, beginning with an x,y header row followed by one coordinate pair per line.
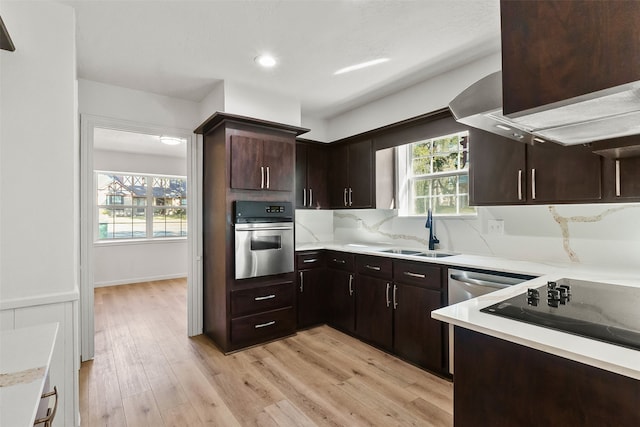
x,y
149,208
405,180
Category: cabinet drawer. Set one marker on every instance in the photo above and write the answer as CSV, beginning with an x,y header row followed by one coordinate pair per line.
x,y
248,301
341,260
418,273
374,266
263,326
307,260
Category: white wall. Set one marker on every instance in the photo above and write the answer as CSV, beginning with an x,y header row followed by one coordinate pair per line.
x,y
128,262
430,95
116,102
318,129
254,102
213,102
38,184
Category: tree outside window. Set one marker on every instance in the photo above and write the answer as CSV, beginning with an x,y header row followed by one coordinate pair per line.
x,y
134,206
437,176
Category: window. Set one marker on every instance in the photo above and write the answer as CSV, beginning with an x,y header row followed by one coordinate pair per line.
x,y
132,206
434,174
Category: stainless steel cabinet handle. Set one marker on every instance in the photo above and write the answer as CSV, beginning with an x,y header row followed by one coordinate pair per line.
x,y
262,325
350,284
410,274
267,176
301,282
388,298
345,197
395,296
307,261
339,261
304,197
310,197
373,267
519,184
617,178
264,297
533,184
261,176
350,196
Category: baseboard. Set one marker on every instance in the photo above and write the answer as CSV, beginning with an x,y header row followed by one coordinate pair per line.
x,y
139,280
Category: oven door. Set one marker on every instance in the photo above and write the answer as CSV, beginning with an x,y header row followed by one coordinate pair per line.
x,y
263,249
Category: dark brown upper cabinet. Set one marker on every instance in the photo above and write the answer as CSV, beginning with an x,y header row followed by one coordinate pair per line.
x,y
351,175
311,176
554,50
506,172
258,163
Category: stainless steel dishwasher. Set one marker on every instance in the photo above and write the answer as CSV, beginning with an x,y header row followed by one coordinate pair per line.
x,y
467,284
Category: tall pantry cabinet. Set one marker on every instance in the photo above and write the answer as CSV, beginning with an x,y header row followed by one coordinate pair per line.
x,y
254,160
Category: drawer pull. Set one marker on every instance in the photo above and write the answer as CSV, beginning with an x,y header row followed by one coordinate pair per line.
x,y
339,261
264,325
264,297
306,261
388,299
373,267
410,274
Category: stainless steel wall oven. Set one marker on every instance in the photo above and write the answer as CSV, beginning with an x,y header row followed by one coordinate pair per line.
x,y
264,242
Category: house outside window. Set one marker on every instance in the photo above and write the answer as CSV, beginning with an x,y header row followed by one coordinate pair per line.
x,y
434,174
137,206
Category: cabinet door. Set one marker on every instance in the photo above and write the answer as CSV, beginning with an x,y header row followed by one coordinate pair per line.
x,y
301,176
278,161
374,312
338,176
342,300
311,297
317,165
563,174
360,175
497,170
246,159
545,59
417,337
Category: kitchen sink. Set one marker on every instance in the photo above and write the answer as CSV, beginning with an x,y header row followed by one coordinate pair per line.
x,y
433,254
427,254
401,251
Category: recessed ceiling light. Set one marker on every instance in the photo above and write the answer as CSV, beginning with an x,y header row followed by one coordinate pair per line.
x,y
171,140
361,65
266,61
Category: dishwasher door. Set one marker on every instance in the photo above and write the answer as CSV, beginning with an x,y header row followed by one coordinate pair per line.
x,y
464,285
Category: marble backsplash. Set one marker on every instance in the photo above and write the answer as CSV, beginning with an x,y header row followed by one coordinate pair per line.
x,y
598,234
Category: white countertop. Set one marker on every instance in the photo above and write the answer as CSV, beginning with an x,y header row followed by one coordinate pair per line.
x,y
467,314
25,357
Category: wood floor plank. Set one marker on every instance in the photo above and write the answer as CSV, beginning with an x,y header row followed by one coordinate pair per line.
x,y
147,371
141,410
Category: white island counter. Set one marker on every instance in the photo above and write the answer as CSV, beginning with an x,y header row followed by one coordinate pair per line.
x,y
25,357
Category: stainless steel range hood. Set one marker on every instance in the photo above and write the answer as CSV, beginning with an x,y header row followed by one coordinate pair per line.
x,y
605,114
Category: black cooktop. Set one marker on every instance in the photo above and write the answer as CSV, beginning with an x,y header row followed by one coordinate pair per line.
x,y
605,312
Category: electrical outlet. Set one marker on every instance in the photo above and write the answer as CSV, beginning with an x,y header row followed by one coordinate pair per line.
x,y
495,226
359,223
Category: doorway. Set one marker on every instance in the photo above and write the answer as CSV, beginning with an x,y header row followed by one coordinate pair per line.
x,y
139,202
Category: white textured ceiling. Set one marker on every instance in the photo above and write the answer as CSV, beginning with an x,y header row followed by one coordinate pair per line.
x,y
183,48
133,142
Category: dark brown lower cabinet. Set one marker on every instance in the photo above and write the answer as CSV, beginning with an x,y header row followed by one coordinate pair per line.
x,y
417,337
499,383
374,316
312,300
341,297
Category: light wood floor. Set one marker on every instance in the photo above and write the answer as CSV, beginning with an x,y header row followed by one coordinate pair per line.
x,y
146,372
